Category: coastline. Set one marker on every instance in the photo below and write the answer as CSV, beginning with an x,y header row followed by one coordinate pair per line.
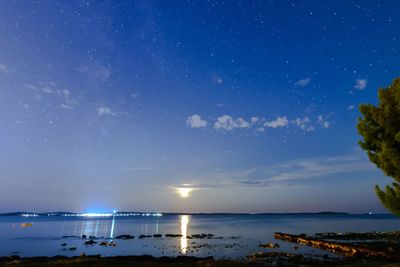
x,y
150,261
170,247
365,252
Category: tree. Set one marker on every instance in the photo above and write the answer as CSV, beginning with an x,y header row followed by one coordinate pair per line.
x,y
380,131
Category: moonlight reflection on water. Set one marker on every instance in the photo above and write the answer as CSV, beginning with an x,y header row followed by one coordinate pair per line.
x,y
184,227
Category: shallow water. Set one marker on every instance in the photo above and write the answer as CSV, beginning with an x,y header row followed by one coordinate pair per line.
x,y
45,236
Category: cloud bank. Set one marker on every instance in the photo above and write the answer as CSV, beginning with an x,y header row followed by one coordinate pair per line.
x,y
227,123
195,121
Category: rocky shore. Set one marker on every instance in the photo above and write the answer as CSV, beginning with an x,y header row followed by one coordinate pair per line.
x,y
263,259
369,244
351,249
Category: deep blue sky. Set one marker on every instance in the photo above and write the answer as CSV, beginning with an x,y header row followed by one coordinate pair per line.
x,y
252,104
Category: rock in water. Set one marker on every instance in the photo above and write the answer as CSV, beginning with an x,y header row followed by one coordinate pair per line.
x,y
125,237
269,245
90,242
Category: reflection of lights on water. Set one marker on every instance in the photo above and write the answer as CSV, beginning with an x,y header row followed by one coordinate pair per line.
x,y
184,227
112,227
96,228
104,224
90,226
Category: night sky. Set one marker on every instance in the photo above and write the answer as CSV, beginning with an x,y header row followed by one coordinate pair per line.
x,y
191,106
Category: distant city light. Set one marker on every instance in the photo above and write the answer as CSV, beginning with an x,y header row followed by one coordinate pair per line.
x,y
96,214
110,214
90,214
29,215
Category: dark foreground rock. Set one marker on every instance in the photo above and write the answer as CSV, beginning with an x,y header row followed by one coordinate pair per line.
x,y
346,249
258,259
90,242
173,235
97,260
145,236
269,245
125,237
395,235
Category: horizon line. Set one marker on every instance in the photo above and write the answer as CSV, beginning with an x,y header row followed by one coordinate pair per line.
x,y
198,213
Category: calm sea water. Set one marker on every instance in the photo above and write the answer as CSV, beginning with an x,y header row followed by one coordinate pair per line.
x,y
235,236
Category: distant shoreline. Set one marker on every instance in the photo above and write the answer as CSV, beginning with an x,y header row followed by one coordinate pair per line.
x,y
19,213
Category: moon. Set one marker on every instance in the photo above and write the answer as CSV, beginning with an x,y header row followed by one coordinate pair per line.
x,y
184,192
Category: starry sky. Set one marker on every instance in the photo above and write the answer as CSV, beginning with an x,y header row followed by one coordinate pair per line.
x,y
246,106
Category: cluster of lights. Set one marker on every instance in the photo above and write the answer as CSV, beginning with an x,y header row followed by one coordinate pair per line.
x,y
111,214
96,214
88,215
29,215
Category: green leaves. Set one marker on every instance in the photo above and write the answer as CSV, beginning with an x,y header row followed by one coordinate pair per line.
x,y
380,131
390,197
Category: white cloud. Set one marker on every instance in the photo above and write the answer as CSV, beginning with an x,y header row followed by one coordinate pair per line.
x,y
303,82
30,87
69,102
195,121
293,172
242,123
217,79
227,123
65,106
96,71
304,124
47,90
50,88
351,107
323,122
66,92
254,120
309,168
101,111
260,124
3,68
360,84
103,72
278,122
82,68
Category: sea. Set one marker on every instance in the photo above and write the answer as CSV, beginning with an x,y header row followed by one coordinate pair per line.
x,y
224,236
